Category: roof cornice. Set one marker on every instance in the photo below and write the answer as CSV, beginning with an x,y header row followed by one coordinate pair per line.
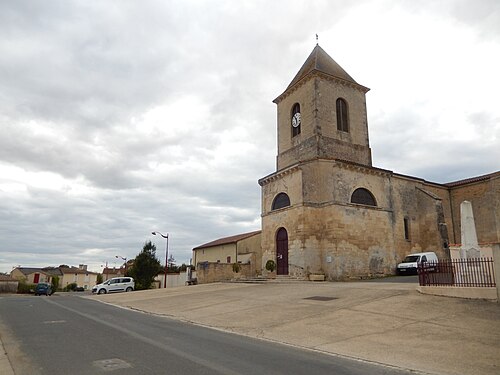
x,y
314,74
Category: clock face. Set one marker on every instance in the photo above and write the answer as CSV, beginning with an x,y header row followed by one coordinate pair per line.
x,y
296,120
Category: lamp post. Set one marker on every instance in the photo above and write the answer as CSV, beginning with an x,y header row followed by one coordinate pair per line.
x,y
166,256
125,260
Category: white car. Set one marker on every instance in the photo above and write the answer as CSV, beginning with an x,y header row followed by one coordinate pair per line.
x,y
411,262
116,284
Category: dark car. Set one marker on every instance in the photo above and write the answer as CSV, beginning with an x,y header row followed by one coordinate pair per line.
x,y
43,288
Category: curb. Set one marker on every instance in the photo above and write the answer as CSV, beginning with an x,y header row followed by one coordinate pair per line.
x,y
5,365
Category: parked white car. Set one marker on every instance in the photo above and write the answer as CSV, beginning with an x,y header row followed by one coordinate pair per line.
x,y
410,263
116,284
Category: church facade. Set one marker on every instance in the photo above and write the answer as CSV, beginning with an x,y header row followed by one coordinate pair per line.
x,y
327,210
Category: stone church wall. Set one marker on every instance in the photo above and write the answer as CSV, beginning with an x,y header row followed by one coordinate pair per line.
x,y
252,245
297,145
329,234
443,193
356,241
327,113
319,118
426,216
485,199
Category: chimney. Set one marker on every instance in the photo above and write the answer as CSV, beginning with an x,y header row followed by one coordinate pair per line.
x,y
82,267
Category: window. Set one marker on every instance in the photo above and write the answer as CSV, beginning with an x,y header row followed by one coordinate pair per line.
x,y
363,196
407,228
280,201
228,260
342,115
296,119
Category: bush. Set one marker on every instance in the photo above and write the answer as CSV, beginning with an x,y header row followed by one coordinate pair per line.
x,y
236,267
270,265
55,283
70,287
24,288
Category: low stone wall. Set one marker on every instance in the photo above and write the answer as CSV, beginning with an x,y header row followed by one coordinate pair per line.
x,y
214,272
460,292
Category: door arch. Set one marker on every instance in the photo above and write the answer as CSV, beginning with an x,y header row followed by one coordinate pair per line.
x,y
282,252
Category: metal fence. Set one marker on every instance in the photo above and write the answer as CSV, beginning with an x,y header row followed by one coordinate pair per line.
x,y
473,272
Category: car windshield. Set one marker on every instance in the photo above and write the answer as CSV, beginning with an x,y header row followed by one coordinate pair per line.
x,y
411,259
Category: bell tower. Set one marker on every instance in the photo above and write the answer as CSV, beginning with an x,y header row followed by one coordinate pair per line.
x,y
322,114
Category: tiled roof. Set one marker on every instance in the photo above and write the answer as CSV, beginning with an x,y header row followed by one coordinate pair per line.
x,y
320,61
53,271
6,278
29,270
75,270
473,179
113,271
228,240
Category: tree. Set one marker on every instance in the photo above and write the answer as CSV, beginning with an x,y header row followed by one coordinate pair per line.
x,y
172,268
99,278
55,283
146,267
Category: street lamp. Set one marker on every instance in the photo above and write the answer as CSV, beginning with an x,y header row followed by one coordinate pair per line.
x,y
166,256
125,260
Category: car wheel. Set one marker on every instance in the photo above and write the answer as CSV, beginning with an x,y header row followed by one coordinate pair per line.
x,y
102,291
129,289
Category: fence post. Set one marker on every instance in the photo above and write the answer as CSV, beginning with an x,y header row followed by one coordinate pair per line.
x,y
496,267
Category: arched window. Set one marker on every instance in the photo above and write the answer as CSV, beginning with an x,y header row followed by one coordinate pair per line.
x,y
296,121
342,115
280,201
363,196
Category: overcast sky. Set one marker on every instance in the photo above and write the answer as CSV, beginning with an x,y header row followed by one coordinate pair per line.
x,y
118,118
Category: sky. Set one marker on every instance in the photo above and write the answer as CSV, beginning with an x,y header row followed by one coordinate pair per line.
x,y
119,118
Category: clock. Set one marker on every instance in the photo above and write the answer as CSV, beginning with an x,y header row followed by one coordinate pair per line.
x,y
296,120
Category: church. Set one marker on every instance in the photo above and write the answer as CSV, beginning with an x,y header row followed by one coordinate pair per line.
x,y
328,211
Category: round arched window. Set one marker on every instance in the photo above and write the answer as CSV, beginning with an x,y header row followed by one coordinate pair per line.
x,y
280,201
363,196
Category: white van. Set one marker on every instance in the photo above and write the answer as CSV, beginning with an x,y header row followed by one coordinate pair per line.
x,y
409,264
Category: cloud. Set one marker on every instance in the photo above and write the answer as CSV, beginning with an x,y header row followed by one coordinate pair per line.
x,y
120,118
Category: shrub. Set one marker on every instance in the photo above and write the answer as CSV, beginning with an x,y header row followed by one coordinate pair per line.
x,y
270,265
70,287
55,283
24,288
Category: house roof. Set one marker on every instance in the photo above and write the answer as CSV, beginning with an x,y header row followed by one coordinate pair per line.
x,y
113,271
52,271
29,270
320,61
7,278
228,240
75,270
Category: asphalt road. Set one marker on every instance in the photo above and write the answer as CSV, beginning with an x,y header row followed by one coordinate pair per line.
x,y
66,334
